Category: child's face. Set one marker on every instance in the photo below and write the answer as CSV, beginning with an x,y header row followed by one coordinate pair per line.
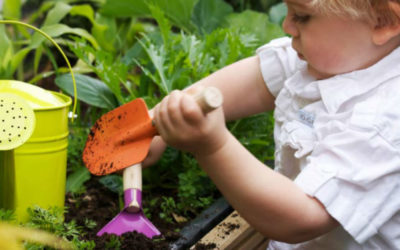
x,y
331,45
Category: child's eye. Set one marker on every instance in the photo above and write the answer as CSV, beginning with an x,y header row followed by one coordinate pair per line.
x,y
300,18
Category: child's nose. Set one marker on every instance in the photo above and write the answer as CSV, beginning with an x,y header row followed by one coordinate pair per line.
x,y
290,27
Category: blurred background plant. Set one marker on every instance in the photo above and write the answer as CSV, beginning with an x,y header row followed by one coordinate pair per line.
x,y
124,49
44,229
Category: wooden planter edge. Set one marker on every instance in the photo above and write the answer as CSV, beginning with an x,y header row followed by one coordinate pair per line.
x,y
234,233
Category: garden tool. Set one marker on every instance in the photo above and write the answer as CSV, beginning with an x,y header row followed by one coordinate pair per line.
x,y
131,218
107,150
122,137
33,141
33,123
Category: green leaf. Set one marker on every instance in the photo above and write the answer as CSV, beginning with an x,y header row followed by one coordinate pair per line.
x,y
103,28
83,10
255,23
277,13
112,182
76,180
12,9
105,31
40,12
157,55
57,13
209,14
163,23
6,49
90,90
54,16
160,79
56,30
7,215
179,11
125,8
18,58
137,52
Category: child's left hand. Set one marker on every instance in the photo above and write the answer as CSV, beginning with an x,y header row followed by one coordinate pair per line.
x,y
183,125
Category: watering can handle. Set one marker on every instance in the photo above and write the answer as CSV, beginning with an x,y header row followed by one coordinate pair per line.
x,y
58,48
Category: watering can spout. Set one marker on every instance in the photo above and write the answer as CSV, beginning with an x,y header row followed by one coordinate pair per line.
x,y
17,121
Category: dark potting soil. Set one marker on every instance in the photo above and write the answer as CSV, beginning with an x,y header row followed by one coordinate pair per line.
x,y
100,205
201,246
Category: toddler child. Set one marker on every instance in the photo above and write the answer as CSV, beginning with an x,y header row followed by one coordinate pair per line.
x,y
335,90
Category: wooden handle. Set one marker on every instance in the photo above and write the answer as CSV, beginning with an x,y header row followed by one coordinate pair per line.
x,y
132,181
132,177
209,99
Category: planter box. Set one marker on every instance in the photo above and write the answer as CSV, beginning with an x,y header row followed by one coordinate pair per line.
x,y
234,233
220,227
203,224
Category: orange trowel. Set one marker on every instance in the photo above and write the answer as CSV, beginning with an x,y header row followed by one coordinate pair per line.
x,y
122,137
120,140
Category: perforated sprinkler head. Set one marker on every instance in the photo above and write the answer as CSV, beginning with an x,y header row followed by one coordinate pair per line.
x,y
17,121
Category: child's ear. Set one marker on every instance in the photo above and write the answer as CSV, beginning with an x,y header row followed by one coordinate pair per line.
x,y
382,35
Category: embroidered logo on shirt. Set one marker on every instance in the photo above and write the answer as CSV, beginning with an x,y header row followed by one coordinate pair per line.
x,y
306,117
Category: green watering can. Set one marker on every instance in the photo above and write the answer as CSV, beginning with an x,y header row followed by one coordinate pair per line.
x,y
33,143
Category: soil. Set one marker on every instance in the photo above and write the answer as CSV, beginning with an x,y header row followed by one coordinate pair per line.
x,y
100,205
201,246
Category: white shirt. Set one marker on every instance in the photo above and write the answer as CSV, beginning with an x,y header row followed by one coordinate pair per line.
x,y
339,140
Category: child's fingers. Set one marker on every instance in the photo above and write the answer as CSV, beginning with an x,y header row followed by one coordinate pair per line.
x,y
164,112
157,147
194,89
159,123
173,108
191,111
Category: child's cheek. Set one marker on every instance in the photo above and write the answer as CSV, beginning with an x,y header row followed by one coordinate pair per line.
x,y
326,61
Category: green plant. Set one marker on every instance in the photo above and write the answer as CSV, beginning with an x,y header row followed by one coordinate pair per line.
x,y
114,183
258,5
76,180
51,220
256,134
77,174
109,69
113,243
23,42
196,190
16,237
168,207
7,215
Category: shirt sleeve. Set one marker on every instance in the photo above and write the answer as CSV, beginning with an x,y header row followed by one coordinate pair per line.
x,y
278,61
354,172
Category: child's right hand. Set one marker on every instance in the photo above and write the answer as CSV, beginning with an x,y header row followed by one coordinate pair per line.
x,y
183,125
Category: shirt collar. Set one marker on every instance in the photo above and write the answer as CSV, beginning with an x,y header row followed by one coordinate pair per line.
x,y
337,90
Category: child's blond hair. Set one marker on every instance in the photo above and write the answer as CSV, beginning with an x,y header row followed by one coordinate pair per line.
x,y
376,11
